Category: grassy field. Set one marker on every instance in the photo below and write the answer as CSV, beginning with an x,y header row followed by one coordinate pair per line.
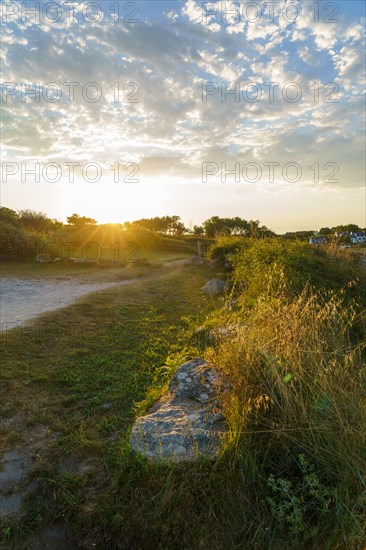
x,y
292,472
90,272
70,385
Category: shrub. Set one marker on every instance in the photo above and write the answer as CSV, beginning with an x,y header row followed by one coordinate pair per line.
x,y
224,247
301,503
297,388
257,258
252,260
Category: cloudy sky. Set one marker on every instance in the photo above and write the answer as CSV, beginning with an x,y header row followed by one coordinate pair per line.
x,y
124,110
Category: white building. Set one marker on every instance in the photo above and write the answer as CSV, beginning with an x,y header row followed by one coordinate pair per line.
x,y
317,240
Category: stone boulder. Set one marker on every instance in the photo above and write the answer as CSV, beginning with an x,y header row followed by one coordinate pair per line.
x,y
187,424
214,287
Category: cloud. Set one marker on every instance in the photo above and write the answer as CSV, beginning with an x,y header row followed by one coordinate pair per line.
x,y
350,63
197,15
170,130
307,55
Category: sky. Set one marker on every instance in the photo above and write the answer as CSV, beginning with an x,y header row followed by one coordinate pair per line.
x,y
123,110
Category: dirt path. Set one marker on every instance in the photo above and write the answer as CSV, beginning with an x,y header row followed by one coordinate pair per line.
x,y
24,299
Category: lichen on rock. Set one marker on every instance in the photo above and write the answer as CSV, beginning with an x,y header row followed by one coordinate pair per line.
x,y
187,424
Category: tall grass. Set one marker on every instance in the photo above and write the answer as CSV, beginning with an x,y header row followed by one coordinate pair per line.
x,y
296,409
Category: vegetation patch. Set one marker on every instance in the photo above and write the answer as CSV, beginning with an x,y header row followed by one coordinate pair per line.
x,y
292,470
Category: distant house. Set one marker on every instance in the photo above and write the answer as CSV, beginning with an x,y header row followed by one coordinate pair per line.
x,y
358,237
318,240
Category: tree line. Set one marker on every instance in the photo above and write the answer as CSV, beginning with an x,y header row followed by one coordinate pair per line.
x,y
212,227
29,225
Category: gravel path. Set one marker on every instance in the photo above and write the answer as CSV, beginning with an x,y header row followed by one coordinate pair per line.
x,y
22,299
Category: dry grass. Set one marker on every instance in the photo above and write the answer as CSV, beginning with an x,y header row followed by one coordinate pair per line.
x,y
297,389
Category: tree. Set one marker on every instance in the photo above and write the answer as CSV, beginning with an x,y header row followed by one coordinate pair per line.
x,y
8,215
226,227
351,227
254,230
79,221
265,232
166,224
216,226
176,227
198,230
37,221
299,235
325,231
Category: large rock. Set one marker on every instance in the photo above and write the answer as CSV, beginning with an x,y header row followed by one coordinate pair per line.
x,y
214,287
187,424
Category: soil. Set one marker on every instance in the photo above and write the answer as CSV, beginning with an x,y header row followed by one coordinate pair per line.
x,y
23,300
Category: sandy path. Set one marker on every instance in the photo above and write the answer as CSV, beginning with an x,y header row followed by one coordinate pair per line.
x,y
23,300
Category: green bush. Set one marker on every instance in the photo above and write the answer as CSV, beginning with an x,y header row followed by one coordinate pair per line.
x,y
300,504
252,260
256,259
224,247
